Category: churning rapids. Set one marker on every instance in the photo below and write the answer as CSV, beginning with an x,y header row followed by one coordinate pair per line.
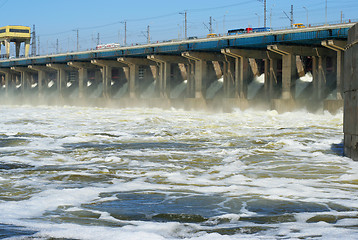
x,y
103,173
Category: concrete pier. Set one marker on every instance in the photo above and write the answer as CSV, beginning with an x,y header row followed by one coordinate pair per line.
x,y
169,75
337,46
25,79
135,65
7,81
238,75
202,73
350,126
288,54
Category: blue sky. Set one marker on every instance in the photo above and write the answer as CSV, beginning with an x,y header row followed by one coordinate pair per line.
x,y
58,20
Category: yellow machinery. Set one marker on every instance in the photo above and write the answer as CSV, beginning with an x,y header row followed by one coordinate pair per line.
x,y
16,34
211,35
298,25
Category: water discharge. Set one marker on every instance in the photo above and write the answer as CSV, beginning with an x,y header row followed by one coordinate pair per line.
x,y
102,173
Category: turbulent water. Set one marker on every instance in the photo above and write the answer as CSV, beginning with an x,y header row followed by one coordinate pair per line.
x,y
101,173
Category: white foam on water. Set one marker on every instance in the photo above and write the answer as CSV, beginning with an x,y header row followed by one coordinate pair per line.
x,y
307,77
80,156
260,79
51,83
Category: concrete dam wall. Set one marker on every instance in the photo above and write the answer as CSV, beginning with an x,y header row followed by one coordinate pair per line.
x,y
350,124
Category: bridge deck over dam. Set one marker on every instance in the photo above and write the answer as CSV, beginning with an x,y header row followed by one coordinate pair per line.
x,y
225,71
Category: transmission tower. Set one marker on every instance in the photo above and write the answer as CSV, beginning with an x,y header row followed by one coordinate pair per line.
x,y
38,42
292,16
33,43
265,13
148,34
211,24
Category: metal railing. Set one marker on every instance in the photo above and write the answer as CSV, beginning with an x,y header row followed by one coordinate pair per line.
x,y
200,37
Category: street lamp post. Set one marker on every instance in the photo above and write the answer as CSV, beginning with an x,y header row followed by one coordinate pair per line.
x,y
306,14
185,23
326,12
259,19
78,44
265,10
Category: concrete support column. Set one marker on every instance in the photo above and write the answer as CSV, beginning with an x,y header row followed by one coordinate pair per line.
x,y
27,47
82,76
7,47
40,81
320,74
272,76
134,64
165,65
25,82
98,76
61,81
190,89
107,79
300,67
315,75
254,67
198,74
340,74
183,70
321,81
319,62
61,77
289,75
8,76
164,74
41,78
229,78
242,75
25,78
133,80
268,84
339,47
17,46
201,76
290,66
107,66
245,67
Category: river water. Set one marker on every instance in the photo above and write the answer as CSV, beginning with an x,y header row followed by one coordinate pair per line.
x,y
104,173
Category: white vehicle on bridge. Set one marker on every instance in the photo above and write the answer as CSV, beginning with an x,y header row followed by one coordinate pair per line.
x,y
108,46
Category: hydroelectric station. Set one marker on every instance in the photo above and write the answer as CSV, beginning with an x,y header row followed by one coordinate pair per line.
x,y
281,70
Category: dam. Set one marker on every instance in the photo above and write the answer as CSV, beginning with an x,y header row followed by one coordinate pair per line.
x,y
279,70
157,173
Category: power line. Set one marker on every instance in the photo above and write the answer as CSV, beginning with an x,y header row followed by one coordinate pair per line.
x,y
220,7
3,3
150,18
